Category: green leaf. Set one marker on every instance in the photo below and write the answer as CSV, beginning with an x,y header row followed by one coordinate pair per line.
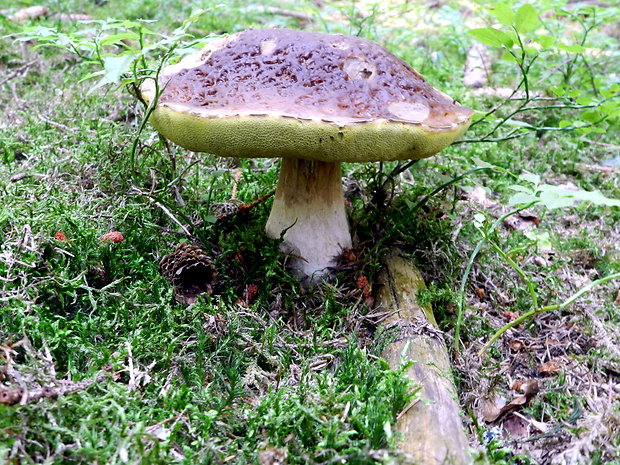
x,y
571,48
479,217
556,198
517,123
584,100
564,124
116,38
491,36
527,19
503,13
115,66
596,197
529,177
521,198
542,240
481,163
591,116
520,188
545,41
558,91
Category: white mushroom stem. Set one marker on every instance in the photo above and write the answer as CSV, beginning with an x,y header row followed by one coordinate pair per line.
x,y
309,210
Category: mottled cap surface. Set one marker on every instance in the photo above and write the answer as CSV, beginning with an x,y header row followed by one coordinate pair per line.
x,y
286,77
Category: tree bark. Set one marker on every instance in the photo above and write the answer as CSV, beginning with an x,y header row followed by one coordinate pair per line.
x,y
431,428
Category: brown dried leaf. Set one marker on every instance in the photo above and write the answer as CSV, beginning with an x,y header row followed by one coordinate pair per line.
x,y
516,426
510,316
32,12
72,17
273,456
550,368
522,221
477,67
516,345
249,294
490,411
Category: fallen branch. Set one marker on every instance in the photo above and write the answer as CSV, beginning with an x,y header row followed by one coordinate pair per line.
x,y
431,430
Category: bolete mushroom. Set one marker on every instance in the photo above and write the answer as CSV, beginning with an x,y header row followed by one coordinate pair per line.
x,y
314,100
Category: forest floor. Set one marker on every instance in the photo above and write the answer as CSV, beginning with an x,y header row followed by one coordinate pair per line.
x,y
103,361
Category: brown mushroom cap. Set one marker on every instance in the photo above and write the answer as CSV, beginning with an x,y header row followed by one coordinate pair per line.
x,y
294,94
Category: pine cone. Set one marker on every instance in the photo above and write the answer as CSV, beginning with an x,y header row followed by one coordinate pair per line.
x,y
190,270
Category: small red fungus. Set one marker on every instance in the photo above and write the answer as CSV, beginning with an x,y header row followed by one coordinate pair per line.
x,y
113,236
59,236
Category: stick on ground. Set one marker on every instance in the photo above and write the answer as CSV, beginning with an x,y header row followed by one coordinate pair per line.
x,y
432,429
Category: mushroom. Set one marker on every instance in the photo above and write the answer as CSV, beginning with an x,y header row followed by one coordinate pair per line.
x,y
314,100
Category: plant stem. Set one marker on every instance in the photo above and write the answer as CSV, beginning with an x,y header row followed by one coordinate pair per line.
x,y
547,308
470,263
519,270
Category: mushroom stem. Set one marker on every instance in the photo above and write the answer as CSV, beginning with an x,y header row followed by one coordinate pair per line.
x,y
309,209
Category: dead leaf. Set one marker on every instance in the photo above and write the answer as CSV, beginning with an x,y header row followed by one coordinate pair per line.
x,y
492,413
72,17
530,388
477,67
272,456
522,221
33,12
540,426
516,345
516,426
490,410
550,368
510,316
478,194
249,294
349,256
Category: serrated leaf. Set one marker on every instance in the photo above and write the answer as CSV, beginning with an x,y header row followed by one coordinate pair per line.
x,y
113,68
526,19
503,13
491,36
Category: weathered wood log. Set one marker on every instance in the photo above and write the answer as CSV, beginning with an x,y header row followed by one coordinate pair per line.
x,y
432,430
